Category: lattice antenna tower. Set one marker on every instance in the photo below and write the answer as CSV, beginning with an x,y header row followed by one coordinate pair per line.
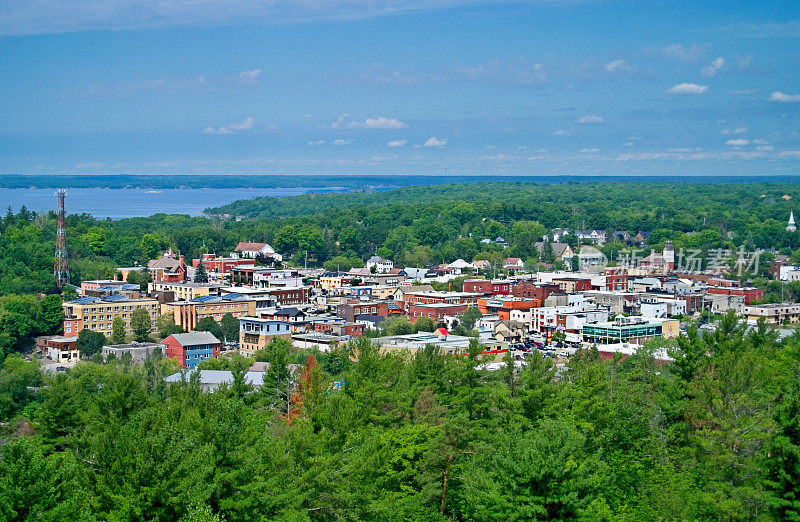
x,y
61,264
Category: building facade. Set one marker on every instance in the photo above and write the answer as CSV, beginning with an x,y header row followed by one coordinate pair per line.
x,y
189,349
97,314
255,333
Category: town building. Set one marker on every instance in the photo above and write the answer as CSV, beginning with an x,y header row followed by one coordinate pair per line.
x,y
186,314
485,286
98,313
138,352
572,284
314,340
590,259
446,343
436,311
289,295
257,251
411,298
222,265
62,349
186,291
561,251
168,268
630,330
529,289
255,333
212,380
513,264
330,280
350,309
750,294
379,265
189,349
616,279
773,313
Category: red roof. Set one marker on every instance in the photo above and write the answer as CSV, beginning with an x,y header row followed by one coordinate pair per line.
x,y
249,247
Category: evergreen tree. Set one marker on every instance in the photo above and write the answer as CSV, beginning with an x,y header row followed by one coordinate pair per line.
x,y
200,274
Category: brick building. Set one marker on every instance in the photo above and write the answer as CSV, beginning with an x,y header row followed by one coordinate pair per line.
x,y
351,309
435,311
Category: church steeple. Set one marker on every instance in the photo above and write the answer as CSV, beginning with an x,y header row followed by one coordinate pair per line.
x,y
791,226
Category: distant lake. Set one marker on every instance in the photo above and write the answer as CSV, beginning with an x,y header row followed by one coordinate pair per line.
x,y
126,203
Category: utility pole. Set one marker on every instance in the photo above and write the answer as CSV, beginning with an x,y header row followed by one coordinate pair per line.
x,y
61,262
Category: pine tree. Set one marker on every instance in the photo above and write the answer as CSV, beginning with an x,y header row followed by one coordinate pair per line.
x,y
200,274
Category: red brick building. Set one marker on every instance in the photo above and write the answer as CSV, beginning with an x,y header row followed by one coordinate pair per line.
x,y
290,295
540,291
435,311
750,294
222,265
351,309
411,298
573,285
616,279
484,286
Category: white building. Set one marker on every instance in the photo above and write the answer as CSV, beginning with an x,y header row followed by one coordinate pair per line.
x,y
380,264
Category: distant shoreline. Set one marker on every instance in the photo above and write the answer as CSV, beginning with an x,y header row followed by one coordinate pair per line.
x,y
337,182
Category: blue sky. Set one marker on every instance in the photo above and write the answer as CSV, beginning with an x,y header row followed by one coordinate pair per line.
x,y
399,87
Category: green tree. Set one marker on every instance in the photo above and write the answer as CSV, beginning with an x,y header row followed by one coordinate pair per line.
x,y
469,317
52,314
397,326
141,324
165,325
118,330
200,274
18,379
208,324
90,342
230,328
424,324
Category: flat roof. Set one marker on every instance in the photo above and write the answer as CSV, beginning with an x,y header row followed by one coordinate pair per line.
x,y
439,305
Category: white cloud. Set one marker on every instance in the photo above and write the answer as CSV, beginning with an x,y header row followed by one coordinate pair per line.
x,y
590,151
782,97
342,142
617,66
628,144
433,141
396,143
710,70
590,119
740,142
380,123
765,147
745,91
317,142
687,88
562,133
247,124
737,130
679,52
249,77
